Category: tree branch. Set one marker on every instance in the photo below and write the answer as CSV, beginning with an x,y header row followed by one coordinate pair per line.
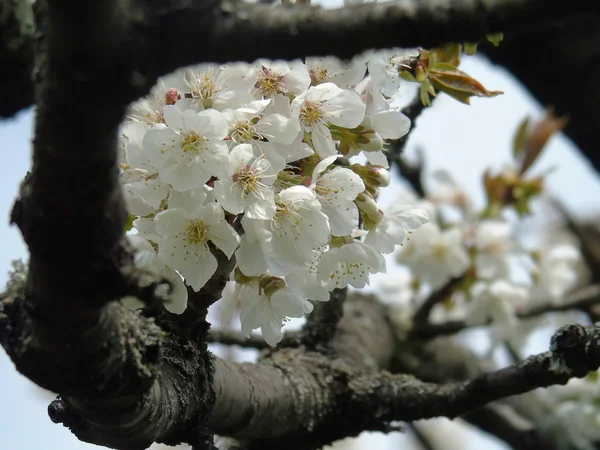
x,y
16,56
422,314
321,324
233,337
582,299
412,173
289,406
503,421
183,32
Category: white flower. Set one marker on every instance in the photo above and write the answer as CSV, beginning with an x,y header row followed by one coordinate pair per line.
x,y
132,137
247,188
350,264
268,312
560,270
149,110
434,255
327,104
397,221
281,78
496,301
494,243
298,226
190,150
145,258
219,87
243,295
345,74
185,237
336,190
250,124
143,194
265,131
384,66
255,244
306,279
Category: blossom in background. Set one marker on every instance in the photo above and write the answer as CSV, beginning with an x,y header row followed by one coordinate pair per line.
x,y
494,242
396,223
434,255
560,270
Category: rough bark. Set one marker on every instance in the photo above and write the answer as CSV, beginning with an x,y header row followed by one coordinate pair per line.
x,y
127,379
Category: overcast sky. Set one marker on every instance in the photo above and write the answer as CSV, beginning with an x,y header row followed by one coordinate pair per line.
x,y
455,137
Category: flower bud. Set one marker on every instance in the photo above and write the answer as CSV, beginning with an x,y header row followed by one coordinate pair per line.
x,y
372,176
370,221
366,203
171,97
370,142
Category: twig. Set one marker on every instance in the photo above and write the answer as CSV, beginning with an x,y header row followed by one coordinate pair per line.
x,y
503,421
575,350
412,173
422,314
588,237
233,337
582,299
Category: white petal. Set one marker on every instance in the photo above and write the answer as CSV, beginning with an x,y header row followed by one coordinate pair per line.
x,y
323,165
322,140
390,124
171,221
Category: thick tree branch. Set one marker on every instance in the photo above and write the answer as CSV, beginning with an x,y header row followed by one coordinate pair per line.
x,y
16,56
127,380
183,32
289,404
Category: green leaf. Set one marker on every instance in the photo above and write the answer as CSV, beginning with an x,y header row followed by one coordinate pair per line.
x,y
129,223
470,47
457,84
495,38
521,138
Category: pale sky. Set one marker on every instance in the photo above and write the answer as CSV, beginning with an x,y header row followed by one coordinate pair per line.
x,y
461,139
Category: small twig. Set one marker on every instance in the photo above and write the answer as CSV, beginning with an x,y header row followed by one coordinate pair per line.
x,y
412,173
322,323
233,337
582,299
503,421
422,314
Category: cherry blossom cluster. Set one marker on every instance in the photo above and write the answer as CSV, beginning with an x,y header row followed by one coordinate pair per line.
x,y
265,161
502,273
